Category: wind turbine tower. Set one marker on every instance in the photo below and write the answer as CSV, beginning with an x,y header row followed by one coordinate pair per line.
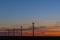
x,y
33,27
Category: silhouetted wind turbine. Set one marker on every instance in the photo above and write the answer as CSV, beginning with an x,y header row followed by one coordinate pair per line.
x,y
33,26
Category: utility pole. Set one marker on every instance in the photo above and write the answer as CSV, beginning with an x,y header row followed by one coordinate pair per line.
x,y
21,30
33,28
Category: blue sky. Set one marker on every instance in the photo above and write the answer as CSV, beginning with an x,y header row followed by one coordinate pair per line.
x,y
20,11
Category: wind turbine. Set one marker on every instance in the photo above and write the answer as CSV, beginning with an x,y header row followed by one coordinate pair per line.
x,y
33,26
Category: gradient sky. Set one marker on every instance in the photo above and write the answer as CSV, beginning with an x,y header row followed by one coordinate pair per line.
x,y
24,11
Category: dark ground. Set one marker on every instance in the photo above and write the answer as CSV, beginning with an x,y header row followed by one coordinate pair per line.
x,y
30,38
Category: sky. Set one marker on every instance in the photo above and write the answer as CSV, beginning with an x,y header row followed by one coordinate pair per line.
x,y
26,11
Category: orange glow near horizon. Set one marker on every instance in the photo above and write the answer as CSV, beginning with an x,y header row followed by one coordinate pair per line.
x,y
30,33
